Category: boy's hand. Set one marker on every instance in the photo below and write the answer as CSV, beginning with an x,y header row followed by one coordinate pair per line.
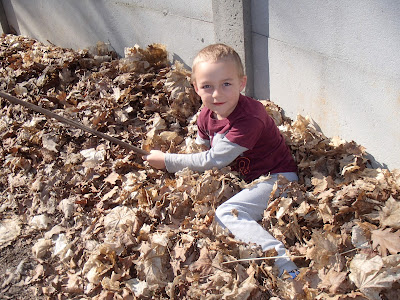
x,y
156,159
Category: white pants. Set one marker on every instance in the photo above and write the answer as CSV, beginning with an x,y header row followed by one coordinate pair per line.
x,y
250,205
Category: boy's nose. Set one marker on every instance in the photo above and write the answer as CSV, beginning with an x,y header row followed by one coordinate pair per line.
x,y
215,92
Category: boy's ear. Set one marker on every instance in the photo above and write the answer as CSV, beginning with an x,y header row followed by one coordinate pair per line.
x,y
196,89
243,83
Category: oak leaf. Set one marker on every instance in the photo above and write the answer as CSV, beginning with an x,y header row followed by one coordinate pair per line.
x,y
41,247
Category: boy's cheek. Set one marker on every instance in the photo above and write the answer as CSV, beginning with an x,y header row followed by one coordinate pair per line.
x,y
199,92
205,99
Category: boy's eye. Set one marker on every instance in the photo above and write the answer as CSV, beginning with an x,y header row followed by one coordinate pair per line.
x,y
206,86
227,84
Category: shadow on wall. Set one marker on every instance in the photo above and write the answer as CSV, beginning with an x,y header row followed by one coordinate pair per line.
x,y
90,31
371,163
9,21
176,57
99,9
374,163
260,36
69,24
81,24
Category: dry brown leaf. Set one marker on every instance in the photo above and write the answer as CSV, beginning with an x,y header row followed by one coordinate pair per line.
x,y
120,217
111,193
371,275
235,212
389,216
41,247
284,207
321,183
204,264
74,284
325,247
112,178
138,287
150,265
360,237
387,240
243,291
332,281
10,229
110,284
49,142
326,211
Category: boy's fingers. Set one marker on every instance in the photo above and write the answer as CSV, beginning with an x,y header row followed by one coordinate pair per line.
x,y
144,157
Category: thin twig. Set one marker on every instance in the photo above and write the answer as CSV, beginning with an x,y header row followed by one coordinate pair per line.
x,y
260,258
50,114
351,250
275,257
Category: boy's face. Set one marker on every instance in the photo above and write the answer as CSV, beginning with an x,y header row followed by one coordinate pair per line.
x,y
219,85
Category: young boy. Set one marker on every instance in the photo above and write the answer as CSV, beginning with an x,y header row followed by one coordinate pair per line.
x,y
235,127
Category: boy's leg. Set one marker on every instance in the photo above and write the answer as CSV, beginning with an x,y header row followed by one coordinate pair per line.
x,y
250,205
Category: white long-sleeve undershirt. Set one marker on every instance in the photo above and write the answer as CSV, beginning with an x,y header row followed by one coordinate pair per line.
x,y
219,155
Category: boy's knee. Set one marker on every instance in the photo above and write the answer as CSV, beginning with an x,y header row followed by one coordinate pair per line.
x,y
222,211
219,212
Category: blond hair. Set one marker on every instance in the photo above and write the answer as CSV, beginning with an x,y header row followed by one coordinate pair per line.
x,y
216,52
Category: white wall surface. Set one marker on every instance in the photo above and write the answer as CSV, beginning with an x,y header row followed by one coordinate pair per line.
x,y
184,26
339,62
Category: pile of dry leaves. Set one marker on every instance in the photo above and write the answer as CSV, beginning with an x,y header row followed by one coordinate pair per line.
x,y
100,224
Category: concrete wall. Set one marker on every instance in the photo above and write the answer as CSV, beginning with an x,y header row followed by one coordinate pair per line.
x,y
337,61
185,27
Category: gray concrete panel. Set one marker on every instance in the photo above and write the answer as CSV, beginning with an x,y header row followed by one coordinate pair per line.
x,y
232,26
5,28
184,27
338,62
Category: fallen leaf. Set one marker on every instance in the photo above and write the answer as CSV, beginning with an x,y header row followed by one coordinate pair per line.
x,y
74,284
235,212
387,240
389,216
112,178
49,142
371,275
41,247
9,230
40,221
204,264
138,287
332,281
121,216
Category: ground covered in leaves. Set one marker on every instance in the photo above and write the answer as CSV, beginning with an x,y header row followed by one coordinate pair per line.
x,y
85,219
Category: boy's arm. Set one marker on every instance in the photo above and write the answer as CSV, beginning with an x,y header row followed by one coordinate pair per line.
x,y
220,155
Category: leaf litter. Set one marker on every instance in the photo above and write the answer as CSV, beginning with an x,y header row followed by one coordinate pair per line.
x,y
101,224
